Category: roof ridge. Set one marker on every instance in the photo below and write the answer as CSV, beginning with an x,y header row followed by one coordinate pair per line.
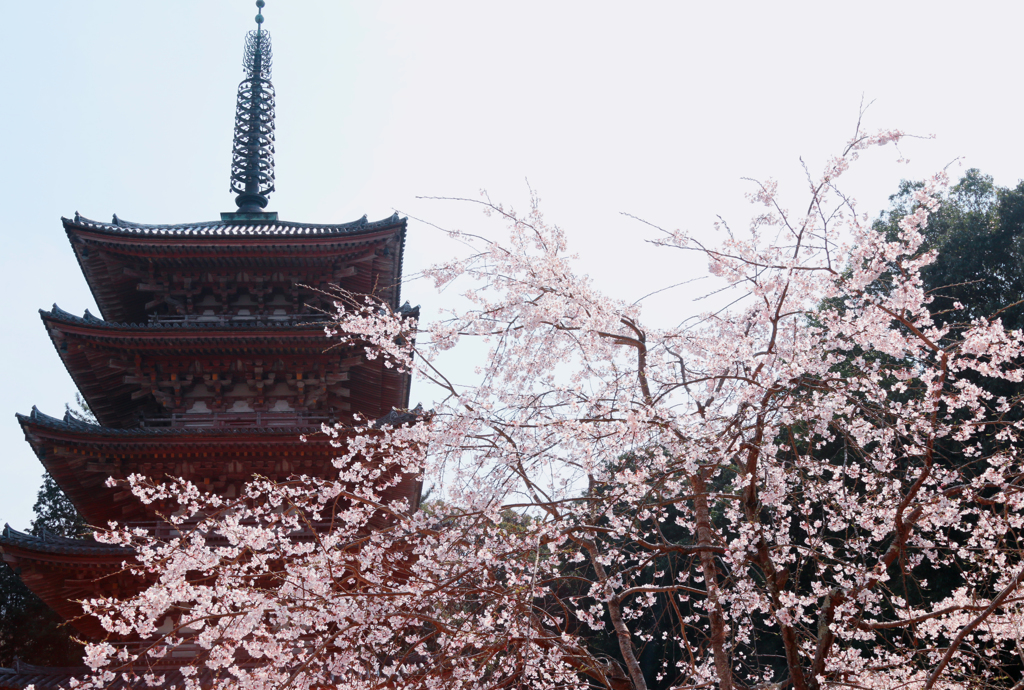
x,y
232,227
56,542
98,429
23,667
255,323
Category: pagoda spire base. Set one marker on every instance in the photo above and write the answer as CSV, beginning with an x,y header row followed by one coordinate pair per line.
x,y
241,215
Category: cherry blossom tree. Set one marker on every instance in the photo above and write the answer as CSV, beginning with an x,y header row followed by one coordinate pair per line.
x,y
812,488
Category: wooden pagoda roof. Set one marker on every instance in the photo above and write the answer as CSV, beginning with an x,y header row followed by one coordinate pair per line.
x,y
63,571
81,456
263,228
97,354
105,250
21,675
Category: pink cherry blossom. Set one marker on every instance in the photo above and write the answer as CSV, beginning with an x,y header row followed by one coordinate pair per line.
x,y
774,475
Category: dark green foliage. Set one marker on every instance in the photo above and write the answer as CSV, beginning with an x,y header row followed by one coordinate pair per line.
x,y
978,235
29,629
55,513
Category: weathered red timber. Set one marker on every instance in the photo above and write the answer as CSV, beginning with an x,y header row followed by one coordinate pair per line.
x,y
222,371
203,269
63,571
209,363
221,364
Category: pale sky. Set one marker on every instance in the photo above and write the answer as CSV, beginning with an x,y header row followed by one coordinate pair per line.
x,y
657,109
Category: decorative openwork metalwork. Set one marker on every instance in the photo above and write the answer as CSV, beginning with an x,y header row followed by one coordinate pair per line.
x,y
252,159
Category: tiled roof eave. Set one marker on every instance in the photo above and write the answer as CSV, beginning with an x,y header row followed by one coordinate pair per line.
x,y
42,677
188,329
37,418
234,229
45,678
52,544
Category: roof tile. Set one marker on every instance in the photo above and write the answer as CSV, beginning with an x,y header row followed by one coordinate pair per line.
x,y
119,226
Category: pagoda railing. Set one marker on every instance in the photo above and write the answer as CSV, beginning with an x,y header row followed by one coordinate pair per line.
x,y
234,420
234,319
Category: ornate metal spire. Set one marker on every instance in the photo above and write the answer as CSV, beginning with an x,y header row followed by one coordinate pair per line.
x,y
252,156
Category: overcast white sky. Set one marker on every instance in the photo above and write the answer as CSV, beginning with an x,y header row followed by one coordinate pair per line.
x,y
655,109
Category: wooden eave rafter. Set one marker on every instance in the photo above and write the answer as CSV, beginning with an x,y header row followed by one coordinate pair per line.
x,y
102,359
103,253
81,457
22,675
62,579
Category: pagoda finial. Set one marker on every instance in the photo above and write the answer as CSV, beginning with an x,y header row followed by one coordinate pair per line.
x,y
252,155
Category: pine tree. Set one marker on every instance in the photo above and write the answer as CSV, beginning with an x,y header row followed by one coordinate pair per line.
x,y
29,629
55,514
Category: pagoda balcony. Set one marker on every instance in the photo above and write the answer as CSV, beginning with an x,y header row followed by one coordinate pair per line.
x,y
235,420
238,319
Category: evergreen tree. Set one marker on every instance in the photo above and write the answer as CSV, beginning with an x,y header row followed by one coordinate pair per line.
x,y
978,237
29,629
55,514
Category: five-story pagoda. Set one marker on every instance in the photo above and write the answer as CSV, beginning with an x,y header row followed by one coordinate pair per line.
x,y
209,361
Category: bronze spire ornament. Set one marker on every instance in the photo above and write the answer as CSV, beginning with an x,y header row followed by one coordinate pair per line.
x,y
252,155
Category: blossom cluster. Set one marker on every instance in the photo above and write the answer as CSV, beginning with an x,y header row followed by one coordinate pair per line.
x,y
815,487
